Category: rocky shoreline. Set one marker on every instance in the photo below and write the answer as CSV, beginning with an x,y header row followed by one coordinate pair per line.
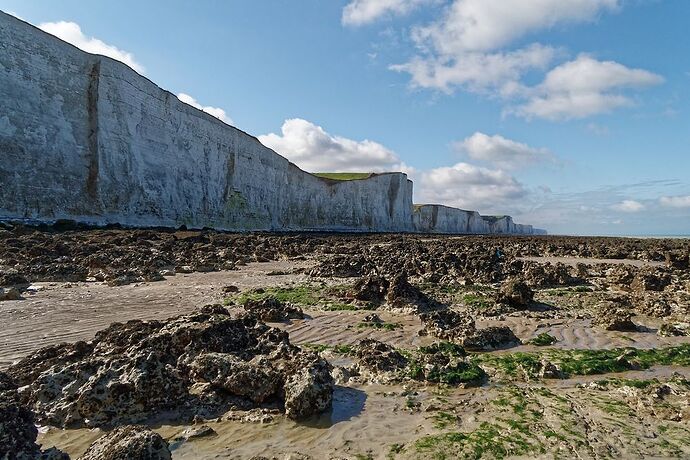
x,y
471,336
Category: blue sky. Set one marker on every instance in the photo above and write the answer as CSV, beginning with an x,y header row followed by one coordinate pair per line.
x,y
568,114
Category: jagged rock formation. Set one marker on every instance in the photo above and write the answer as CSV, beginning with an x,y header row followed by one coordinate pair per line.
x,y
85,138
197,365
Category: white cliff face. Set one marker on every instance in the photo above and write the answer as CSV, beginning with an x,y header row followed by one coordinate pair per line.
x,y
84,137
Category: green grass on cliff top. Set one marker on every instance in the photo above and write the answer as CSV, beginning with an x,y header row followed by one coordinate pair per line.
x,y
344,176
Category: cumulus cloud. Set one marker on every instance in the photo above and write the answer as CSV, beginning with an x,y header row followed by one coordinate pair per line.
x,y
470,187
675,201
628,206
461,48
483,25
584,87
215,111
476,71
470,48
313,149
501,152
71,32
359,12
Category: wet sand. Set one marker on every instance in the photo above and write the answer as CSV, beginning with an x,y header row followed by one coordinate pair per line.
x,y
67,312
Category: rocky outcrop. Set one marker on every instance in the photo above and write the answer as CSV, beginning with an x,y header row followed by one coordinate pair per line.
x,y
201,364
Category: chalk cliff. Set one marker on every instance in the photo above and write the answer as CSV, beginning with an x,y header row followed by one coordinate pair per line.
x,y
86,138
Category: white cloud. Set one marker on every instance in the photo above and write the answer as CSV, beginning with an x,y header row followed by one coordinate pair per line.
x,y
463,48
359,12
215,111
484,25
584,87
501,152
675,201
470,187
628,206
476,71
313,149
469,48
71,32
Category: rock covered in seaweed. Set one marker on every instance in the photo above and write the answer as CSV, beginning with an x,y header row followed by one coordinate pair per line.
x,y
201,364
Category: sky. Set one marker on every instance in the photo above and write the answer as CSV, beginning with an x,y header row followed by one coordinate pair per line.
x,y
571,115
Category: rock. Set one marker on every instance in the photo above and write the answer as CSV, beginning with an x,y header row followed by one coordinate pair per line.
x,y
10,294
272,310
230,289
678,260
460,328
674,330
490,338
650,280
515,293
309,391
377,357
195,432
12,279
129,442
611,318
18,431
372,318
448,324
446,363
201,364
402,294
371,289
548,370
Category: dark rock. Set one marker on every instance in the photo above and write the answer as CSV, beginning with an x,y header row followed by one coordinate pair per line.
x,y
372,318
516,294
10,294
371,289
674,330
272,310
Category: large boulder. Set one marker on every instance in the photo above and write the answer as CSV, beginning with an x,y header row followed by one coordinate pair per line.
x,y
129,442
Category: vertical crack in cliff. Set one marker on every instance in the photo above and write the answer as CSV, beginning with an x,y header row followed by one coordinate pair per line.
x,y
392,195
93,145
